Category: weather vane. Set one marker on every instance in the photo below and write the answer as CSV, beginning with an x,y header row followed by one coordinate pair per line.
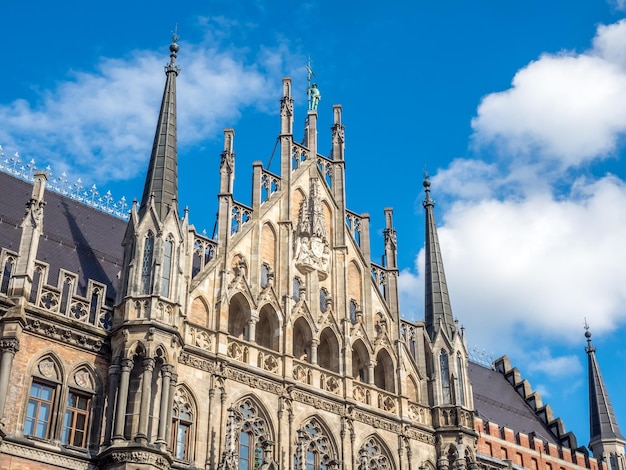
x,y
175,33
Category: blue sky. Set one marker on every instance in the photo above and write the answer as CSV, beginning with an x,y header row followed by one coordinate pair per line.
x,y
517,109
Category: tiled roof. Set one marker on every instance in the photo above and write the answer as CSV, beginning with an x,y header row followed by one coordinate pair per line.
x,y
76,237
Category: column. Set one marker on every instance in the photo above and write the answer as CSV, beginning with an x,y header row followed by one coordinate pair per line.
x,y
9,347
254,318
314,344
166,376
370,371
122,400
146,385
114,380
170,406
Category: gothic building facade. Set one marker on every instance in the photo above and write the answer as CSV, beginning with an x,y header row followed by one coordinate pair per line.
x,y
143,344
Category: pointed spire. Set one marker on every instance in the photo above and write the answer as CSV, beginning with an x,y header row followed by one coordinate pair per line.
x,y
603,425
438,312
162,177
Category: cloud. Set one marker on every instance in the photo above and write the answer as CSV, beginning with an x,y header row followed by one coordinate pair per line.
x,y
92,120
556,368
563,109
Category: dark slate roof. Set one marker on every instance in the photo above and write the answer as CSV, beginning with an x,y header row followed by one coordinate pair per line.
x,y
76,237
496,401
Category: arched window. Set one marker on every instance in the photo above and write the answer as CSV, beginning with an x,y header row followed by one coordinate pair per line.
x,y
353,309
372,457
182,425
444,369
328,351
6,274
167,267
43,400
323,300
247,432
296,289
313,448
76,421
460,375
265,270
146,265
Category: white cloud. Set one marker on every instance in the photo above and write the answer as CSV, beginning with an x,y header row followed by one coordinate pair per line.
x,y
535,266
562,109
93,120
554,367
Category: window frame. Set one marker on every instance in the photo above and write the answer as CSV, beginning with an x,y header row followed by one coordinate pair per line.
x,y
76,411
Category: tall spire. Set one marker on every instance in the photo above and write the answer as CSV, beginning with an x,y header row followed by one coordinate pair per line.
x,y
438,312
605,438
162,176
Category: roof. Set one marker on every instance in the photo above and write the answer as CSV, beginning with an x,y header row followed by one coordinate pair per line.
x,y
497,401
76,237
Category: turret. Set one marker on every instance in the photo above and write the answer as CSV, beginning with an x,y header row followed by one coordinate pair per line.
x,y
605,438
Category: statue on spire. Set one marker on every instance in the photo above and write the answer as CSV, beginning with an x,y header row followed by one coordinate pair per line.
x,y
313,93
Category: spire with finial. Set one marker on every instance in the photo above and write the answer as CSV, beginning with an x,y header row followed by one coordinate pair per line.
x,y
162,177
438,311
605,438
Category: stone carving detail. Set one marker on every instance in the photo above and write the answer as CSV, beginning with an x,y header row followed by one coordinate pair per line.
x,y
237,351
90,342
330,383
253,381
45,457
302,374
376,422
318,403
196,362
83,379
312,247
46,368
268,362
139,457
11,345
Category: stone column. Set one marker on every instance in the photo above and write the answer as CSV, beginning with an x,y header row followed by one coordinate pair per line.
x,y
254,318
114,381
370,371
8,347
122,400
146,386
170,406
166,376
314,344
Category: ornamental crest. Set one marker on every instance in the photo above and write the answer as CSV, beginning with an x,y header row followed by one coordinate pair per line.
x,y
312,247
46,368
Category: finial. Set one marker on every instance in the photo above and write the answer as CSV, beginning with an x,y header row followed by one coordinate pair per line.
x,y
173,50
427,201
590,347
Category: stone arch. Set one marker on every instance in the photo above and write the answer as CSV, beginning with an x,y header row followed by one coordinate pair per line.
x,y
412,389
184,422
355,283
238,316
199,312
298,197
316,445
374,454
360,361
48,366
135,349
267,247
328,219
328,350
384,371
267,330
302,336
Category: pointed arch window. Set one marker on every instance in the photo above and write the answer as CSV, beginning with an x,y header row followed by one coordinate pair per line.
x,y
372,457
444,369
146,266
296,289
313,450
166,277
6,274
39,410
76,419
252,436
461,385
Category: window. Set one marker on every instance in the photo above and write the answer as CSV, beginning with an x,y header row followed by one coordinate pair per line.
x,y
6,275
313,447
459,368
76,419
372,457
146,267
247,435
323,298
353,309
182,425
264,275
296,289
167,268
181,431
250,452
445,378
39,410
